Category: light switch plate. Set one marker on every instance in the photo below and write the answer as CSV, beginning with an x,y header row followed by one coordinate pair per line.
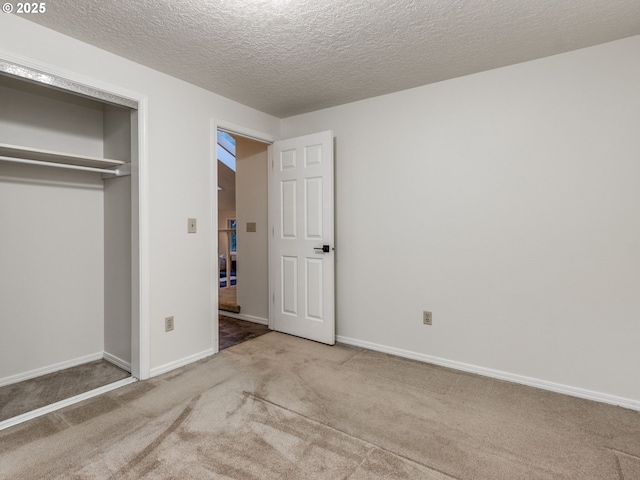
x,y
191,225
168,324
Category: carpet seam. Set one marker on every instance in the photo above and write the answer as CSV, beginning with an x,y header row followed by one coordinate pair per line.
x,y
619,467
623,453
264,400
617,454
355,354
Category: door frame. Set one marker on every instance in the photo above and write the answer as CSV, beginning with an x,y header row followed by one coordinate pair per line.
x,y
218,124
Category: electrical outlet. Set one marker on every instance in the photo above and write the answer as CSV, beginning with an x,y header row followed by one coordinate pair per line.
x,y
427,318
168,324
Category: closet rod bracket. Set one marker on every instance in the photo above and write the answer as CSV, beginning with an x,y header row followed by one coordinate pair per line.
x,y
120,171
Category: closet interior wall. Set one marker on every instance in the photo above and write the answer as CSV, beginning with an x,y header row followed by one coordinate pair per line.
x,y
65,235
117,240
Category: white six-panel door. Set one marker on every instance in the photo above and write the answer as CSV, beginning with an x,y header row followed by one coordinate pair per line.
x,y
301,217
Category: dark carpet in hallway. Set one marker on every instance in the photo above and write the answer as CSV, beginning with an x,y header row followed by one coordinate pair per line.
x,y
233,331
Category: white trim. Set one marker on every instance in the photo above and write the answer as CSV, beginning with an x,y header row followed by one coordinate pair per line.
x,y
213,202
248,318
20,377
140,349
487,372
242,131
181,363
65,403
118,362
271,293
69,75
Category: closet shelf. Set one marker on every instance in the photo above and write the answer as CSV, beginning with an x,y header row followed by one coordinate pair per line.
x,y
40,155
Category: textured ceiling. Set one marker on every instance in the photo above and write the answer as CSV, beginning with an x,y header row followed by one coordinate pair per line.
x,y
286,57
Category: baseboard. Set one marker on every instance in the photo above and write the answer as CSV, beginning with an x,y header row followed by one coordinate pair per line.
x,y
181,363
65,403
248,318
50,369
487,372
118,362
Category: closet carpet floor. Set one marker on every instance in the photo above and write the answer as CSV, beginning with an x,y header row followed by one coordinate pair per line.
x,y
22,397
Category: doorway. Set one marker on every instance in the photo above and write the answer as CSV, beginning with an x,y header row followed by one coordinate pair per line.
x,y
242,240
292,278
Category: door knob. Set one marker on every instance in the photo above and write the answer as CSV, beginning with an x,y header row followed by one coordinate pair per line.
x,y
323,248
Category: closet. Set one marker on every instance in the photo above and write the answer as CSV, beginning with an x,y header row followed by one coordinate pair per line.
x,y
65,230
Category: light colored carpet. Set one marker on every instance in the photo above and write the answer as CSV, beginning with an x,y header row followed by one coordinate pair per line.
x,y
279,407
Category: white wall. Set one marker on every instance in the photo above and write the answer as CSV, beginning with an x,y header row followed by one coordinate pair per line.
x,y
117,243
117,269
51,267
507,203
51,234
38,117
180,150
253,251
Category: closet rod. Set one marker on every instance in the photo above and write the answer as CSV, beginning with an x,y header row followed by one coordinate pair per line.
x,y
59,165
